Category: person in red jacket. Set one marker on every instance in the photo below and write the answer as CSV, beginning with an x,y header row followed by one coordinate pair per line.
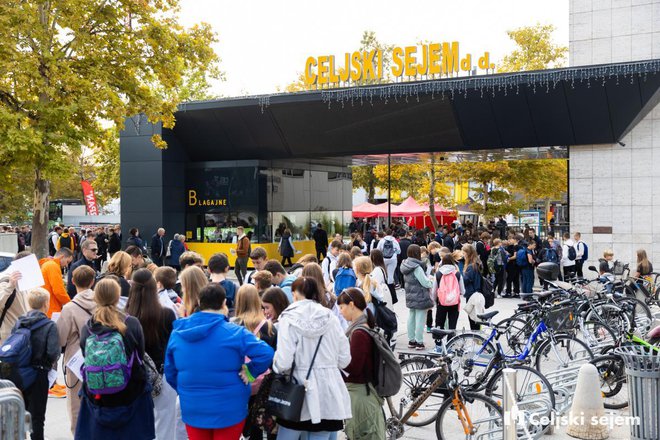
x,y
51,269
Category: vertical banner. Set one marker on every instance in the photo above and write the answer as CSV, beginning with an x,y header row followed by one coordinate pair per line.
x,y
90,199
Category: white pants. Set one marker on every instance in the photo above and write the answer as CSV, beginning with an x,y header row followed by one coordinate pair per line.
x,y
165,413
390,266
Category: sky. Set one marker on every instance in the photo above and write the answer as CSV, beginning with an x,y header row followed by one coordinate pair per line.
x,y
264,44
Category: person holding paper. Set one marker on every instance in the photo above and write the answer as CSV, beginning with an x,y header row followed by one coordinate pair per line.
x,y
51,269
74,317
13,302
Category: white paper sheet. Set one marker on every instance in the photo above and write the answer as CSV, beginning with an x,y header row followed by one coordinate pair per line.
x,y
31,276
75,364
52,376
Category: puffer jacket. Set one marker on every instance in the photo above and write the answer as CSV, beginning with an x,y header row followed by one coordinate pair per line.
x,y
417,284
299,328
204,356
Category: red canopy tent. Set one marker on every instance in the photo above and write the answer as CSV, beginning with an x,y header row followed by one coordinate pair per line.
x,y
366,209
409,208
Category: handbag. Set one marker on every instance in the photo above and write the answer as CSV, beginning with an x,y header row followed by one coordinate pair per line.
x,y
286,396
154,377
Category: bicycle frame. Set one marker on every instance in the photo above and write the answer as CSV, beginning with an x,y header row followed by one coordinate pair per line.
x,y
417,403
494,336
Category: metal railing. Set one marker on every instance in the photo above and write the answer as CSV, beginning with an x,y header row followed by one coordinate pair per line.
x,y
15,422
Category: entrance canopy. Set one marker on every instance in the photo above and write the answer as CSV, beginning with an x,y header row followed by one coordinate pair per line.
x,y
559,107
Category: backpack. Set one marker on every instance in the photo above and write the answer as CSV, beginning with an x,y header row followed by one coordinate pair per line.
x,y
521,258
344,279
487,291
51,245
572,255
387,371
65,242
16,356
585,250
449,292
495,262
550,255
294,267
388,249
107,369
385,318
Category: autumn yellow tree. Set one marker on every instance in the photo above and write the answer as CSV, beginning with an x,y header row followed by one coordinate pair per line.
x,y
534,50
69,64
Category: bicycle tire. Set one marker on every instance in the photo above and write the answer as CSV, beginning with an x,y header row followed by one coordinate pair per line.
x,y
517,333
464,347
642,313
599,335
610,314
612,374
574,347
447,413
536,384
413,386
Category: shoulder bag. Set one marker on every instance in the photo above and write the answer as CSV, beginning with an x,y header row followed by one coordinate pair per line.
x,y
286,396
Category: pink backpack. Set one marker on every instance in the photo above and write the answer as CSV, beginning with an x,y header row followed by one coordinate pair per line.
x,y
449,292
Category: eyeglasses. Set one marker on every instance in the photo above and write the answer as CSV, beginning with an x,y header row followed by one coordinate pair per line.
x,y
93,250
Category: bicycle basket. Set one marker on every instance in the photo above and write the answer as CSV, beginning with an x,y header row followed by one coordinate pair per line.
x,y
560,319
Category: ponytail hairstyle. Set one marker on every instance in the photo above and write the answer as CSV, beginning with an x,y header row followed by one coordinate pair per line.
x,y
353,295
106,295
363,266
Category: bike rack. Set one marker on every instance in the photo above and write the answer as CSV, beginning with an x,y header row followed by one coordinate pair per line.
x,y
15,422
563,383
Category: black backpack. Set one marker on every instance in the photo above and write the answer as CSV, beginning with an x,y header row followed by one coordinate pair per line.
x,y
385,318
487,291
572,255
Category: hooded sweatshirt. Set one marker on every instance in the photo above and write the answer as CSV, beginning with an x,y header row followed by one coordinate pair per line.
x,y
51,270
204,357
446,269
44,340
300,327
73,318
417,284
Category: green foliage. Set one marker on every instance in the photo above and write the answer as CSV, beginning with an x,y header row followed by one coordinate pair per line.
x,y
66,65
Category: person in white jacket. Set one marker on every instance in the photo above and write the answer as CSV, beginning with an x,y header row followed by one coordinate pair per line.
x,y
390,249
304,326
566,262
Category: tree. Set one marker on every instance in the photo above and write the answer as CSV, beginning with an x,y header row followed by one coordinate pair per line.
x,y
69,64
535,50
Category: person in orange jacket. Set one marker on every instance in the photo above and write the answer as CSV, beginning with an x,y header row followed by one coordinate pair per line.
x,y
51,269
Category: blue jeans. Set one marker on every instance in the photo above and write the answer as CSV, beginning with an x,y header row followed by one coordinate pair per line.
x,y
527,280
290,434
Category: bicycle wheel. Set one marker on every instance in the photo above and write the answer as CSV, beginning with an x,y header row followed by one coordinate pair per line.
x,y
471,355
638,310
613,384
597,335
610,314
560,352
534,396
517,332
485,418
413,386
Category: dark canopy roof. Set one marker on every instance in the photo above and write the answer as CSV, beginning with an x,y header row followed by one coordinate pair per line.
x,y
571,106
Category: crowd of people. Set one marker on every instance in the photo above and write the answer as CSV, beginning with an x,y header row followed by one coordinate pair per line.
x,y
158,343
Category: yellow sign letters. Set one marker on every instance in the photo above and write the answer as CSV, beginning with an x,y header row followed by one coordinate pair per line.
x,y
194,201
411,61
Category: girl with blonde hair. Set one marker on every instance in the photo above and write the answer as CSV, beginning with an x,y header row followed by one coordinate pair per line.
x,y
363,268
120,265
136,420
193,280
250,314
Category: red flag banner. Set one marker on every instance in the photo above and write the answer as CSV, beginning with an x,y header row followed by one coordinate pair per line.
x,y
90,198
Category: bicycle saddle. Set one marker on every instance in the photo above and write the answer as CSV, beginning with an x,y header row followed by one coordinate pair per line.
x,y
439,333
487,316
536,295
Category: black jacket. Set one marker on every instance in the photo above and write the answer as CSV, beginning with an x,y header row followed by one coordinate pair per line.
x,y
114,243
320,239
157,246
45,340
70,288
404,244
448,242
133,340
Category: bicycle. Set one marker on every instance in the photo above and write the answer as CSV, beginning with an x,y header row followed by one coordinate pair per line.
x,y
464,414
534,393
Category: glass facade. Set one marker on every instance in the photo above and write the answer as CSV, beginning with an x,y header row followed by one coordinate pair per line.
x,y
266,200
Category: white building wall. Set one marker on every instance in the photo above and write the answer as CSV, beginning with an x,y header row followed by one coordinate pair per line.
x,y
611,185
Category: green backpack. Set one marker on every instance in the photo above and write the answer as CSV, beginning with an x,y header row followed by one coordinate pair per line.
x,y
107,369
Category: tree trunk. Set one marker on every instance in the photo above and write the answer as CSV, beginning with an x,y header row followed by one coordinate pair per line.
x,y
371,189
40,217
434,220
547,212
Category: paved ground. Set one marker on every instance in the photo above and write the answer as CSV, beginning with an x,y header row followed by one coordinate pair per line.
x,y
57,424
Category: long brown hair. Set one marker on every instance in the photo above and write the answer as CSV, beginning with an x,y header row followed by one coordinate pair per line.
x,y
313,270
248,309
143,303
106,295
193,280
471,257
643,261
